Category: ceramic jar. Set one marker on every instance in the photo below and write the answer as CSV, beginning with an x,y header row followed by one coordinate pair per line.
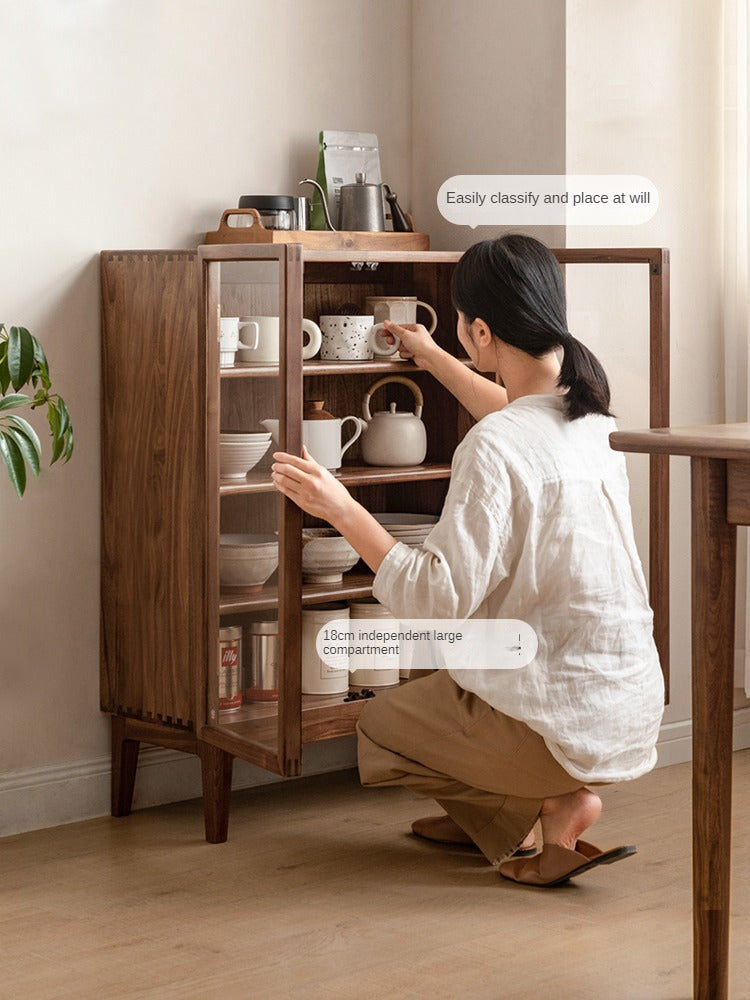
x,y
319,676
372,670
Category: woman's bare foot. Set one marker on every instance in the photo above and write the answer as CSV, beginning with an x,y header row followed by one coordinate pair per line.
x,y
565,817
528,841
444,830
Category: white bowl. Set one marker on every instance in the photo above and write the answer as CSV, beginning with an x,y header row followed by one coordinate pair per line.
x,y
237,458
240,437
247,561
326,555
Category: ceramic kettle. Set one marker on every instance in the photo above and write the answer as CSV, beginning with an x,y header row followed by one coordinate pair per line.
x,y
391,437
360,206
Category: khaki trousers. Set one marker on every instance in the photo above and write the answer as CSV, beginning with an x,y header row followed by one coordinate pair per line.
x,y
489,772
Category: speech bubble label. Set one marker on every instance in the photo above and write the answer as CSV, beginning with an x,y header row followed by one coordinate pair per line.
x,y
429,643
547,200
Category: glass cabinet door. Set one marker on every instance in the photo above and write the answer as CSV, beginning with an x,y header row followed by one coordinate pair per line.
x,y
254,369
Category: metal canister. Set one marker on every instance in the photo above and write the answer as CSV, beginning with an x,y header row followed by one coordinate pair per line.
x,y
262,678
230,668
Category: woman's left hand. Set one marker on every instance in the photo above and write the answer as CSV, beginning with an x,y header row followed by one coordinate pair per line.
x,y
309,485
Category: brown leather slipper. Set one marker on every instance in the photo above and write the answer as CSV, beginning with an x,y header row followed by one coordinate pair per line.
x,y
444,830
555,865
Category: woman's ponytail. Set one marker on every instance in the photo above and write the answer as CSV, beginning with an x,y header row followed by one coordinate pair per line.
x,y
584,378
514,283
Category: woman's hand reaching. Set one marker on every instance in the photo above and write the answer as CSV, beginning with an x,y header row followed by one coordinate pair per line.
x,y
310,486
316,491
417,344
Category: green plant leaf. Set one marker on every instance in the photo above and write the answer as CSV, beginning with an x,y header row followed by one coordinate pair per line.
x,y
27,447
64,415
4,373
10,420
14,463
21,360
65,433
13,400
55,426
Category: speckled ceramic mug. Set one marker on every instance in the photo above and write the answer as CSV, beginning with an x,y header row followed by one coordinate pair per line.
x,y
351,338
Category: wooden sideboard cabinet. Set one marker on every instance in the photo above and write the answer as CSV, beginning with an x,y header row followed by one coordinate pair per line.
x,y
165,400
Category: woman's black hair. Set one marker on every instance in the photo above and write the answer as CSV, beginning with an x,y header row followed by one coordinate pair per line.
x,y
515,284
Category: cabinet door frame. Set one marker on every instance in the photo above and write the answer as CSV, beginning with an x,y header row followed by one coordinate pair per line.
x,y
285,758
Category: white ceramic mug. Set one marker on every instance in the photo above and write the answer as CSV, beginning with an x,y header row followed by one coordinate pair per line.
x,y
399,309
266,349
352,338
229,340
322,438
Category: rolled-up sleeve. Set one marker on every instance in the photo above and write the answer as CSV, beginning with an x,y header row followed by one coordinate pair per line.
x,y
462,560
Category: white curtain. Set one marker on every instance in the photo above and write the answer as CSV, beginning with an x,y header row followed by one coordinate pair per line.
x,y
737,260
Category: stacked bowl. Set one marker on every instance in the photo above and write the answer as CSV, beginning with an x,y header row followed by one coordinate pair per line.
x,y
326,555
239,452
409,528
247,561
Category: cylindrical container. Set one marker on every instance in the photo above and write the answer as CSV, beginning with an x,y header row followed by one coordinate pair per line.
x,y
379,666
262,667
330,676
230,668
277,211
302,209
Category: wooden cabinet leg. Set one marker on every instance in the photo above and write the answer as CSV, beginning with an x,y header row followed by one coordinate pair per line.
x,y
124,766
216,768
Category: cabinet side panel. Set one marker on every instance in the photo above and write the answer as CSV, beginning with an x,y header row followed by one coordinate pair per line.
x,y
153,485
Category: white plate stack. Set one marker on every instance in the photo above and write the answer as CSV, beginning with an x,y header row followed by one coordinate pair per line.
x,y
409,528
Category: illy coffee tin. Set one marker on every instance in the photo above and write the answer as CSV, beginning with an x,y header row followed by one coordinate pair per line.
x,y
230,668
262,675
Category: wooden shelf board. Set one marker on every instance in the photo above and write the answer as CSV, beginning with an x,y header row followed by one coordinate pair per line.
x,y
323,717
318,367
380,256
353,585
350,475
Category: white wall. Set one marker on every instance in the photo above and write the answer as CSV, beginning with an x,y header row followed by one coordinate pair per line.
x,y
644,96
133,124
489,98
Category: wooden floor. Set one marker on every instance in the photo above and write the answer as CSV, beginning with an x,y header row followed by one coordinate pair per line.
x,y
321,893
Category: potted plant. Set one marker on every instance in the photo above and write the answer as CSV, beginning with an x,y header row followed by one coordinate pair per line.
x,y
23,363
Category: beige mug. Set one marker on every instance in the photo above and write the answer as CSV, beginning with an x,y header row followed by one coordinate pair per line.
x,y
401,309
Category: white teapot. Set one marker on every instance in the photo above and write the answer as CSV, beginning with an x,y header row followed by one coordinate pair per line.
x,y
391,437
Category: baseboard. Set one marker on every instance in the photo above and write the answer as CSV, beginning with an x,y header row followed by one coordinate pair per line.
x,y
67,793
675,744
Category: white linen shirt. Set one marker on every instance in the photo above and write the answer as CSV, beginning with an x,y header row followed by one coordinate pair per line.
x,y
536,526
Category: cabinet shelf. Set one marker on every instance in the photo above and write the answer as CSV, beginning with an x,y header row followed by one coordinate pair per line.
x,y
350,475
352,586
318,367
322,718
